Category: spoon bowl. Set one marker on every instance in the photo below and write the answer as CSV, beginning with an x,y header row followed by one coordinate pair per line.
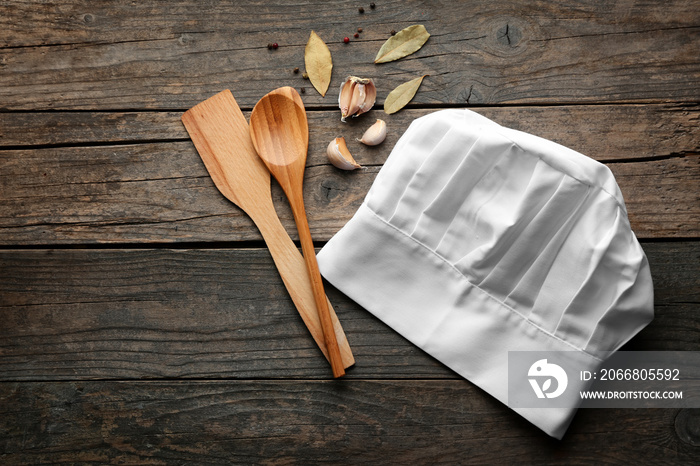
x,y
280,130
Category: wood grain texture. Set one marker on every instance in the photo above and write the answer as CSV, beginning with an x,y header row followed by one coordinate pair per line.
x,y
266,422
605,132
171,55
140,323
152,193
224,313
136,190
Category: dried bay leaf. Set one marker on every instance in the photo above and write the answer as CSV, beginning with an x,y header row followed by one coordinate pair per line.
x,y
405,42
399,97
317,58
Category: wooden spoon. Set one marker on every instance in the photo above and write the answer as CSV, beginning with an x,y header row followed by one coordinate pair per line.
x,y
280,134
220,133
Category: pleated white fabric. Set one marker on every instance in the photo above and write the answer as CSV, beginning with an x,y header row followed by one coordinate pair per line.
x,y
476,240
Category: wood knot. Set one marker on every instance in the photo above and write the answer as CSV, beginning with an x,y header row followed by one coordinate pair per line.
x,y
471,95
688,426
88,18
509,35
329,189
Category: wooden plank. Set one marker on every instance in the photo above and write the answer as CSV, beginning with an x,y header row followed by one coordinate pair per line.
x,y
138,192
223,313
32,129
606,132
306,422
659,202
161,192
171,55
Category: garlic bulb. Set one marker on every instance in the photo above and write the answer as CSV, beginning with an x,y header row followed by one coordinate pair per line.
x,y
375,134
339,155
357,96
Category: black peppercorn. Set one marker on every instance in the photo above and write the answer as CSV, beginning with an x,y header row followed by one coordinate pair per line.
x,y
303,90
296,70
361,10
393,32
372,5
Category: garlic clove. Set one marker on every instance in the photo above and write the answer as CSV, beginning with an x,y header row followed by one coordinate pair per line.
x,y
339,155
370,98
356,101
375,134
356,96
344,98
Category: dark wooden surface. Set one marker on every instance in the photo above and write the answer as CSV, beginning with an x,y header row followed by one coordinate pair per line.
x,y
143,322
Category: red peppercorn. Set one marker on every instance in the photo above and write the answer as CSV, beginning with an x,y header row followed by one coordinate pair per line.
x,y
346,39
357,34
275,45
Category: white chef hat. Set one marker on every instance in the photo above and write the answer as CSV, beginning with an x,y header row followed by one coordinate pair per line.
x,y
476,240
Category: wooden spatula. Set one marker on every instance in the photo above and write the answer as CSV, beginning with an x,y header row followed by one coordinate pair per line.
x,y
221,135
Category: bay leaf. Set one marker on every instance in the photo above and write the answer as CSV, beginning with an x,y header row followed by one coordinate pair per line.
x,y
319,64
405,42
399,97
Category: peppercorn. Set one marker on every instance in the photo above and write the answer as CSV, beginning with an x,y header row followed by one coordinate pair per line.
x,y
275,45
269,46
303,90
296,70
361,10
359,29
393,32
346,39
372,5
356,35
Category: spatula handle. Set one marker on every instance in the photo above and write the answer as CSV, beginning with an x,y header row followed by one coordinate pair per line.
x,y
292,269
307,247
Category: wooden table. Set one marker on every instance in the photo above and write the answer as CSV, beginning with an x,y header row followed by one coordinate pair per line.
x,y
141,317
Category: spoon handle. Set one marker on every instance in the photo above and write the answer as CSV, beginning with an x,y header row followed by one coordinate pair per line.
x,y
307,247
